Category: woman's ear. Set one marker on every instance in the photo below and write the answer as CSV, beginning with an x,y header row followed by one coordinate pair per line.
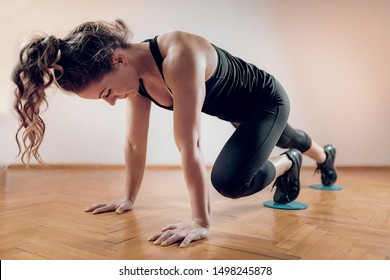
x,y
118,58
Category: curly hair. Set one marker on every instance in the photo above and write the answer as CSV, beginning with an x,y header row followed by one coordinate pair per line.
x,y
71,63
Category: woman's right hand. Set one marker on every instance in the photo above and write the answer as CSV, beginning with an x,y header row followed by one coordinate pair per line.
x,y
119,206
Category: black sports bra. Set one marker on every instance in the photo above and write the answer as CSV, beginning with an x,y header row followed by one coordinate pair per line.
x,y
153,45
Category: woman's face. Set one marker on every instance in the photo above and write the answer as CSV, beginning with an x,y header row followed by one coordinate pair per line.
x,y
121,83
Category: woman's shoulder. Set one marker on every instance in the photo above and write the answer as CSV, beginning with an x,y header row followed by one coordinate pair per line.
x,y
179,38
177,41
180,35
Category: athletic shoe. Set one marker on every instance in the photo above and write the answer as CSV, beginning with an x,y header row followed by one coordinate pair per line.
x,y
327,169
288,185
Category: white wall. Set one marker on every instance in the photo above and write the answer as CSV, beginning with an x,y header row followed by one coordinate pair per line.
x,y
331,56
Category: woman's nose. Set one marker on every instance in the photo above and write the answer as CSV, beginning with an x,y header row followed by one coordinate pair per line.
x,y
110,101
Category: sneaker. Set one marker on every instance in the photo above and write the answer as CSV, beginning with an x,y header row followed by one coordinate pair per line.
x,y
288,185
327,169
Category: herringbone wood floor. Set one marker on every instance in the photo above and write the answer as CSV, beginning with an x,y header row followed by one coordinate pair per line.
x,y
41,217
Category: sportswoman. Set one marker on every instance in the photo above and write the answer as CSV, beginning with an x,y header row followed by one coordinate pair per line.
x,y
187,74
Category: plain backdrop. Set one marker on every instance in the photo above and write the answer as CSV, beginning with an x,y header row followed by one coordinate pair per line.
x,y
331,56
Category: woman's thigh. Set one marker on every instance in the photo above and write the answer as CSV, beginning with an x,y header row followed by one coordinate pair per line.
x,y
250,146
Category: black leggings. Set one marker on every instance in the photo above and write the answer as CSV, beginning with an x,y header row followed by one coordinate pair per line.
x,y
242,168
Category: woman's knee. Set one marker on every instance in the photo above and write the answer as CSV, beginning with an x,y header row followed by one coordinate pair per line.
x,y
241,185
225,184
294,138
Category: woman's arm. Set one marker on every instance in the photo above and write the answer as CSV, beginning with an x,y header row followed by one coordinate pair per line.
x,y
137,117
184,71
137,123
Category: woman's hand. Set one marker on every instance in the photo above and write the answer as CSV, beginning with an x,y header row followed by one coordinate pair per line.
x,y
184,232
119,206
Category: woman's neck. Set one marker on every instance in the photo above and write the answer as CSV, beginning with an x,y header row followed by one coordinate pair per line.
x,y
141,58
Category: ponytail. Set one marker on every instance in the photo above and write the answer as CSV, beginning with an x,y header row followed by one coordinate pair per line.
x,y
32,75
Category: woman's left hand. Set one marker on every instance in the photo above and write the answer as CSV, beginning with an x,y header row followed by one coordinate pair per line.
x,y
184,232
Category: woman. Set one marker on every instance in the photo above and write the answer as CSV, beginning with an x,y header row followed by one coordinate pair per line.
x,y
180,72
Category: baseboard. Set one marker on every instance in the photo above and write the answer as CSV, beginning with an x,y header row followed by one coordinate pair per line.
x,y
86,166
66,166
154,167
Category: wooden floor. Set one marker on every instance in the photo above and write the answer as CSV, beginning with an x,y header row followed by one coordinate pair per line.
x,y
41,217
